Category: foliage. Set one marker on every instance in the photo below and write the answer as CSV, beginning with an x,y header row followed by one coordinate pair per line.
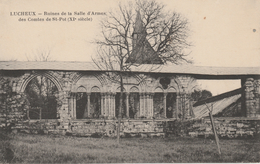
x,y
42,95
199,95
179,127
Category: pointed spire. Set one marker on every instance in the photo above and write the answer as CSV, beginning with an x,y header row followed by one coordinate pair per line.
x,y
139,28
142,52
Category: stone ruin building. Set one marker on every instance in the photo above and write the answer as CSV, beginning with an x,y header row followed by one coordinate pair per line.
x,y
83,101
77,98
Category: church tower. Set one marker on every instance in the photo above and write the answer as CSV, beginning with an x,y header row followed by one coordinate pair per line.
x,y
142,51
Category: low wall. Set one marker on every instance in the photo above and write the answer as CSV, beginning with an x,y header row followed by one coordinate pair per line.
x,y
128,128
225,127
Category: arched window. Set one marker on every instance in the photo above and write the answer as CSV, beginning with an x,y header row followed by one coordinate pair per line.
x,y
42,94
158,103
81,103
95,103
171,103
134,102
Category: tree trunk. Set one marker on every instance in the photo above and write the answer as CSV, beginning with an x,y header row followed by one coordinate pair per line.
x,y
120,107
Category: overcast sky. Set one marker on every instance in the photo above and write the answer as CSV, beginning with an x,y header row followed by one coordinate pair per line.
x,y
224,33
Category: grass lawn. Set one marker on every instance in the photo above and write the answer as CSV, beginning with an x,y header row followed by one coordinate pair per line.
x,y
62,149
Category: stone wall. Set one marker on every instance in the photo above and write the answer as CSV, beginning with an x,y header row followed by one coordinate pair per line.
x,y
252,96
226,128
107,128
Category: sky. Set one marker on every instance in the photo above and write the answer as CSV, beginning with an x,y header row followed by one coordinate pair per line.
x,y
223,33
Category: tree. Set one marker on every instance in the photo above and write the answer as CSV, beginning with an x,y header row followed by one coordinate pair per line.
x,y
42,92
148,35
41,55
199,95
42,95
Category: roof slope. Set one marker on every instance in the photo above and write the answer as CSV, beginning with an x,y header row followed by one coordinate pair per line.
x,y
219,102
169,68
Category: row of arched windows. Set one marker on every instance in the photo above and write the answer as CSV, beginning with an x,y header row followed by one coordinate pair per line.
x,y
42,95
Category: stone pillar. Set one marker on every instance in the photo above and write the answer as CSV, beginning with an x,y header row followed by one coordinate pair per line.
x,y
109,104
152,110
164,104
113,107
182,105
177,105
88,105
186,105
74,106
127,105
149,105
70,110
105,104
148,114
102,104
250,98
141,105
111,98
144,104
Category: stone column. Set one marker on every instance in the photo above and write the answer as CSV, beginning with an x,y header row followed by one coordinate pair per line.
x,y
144,105
188,102
152,110
73,106
105,104
68,108
113,107
249,94
185,110
127,105
148,114
149,105
88,105
141,113
164,104
109,104
102,104
182,105
177,105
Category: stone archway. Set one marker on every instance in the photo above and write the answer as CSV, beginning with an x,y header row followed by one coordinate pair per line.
x,y
29,77
43,96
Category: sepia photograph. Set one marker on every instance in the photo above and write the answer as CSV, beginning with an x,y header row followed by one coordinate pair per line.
x,y
129,81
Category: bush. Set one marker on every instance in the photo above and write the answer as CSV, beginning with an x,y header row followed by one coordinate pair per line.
x,y
179,127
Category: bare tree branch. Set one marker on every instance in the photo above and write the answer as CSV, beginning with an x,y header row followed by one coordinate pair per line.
x,y
166,33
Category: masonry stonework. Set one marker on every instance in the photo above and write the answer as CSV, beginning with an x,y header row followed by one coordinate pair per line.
x,y
87,102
